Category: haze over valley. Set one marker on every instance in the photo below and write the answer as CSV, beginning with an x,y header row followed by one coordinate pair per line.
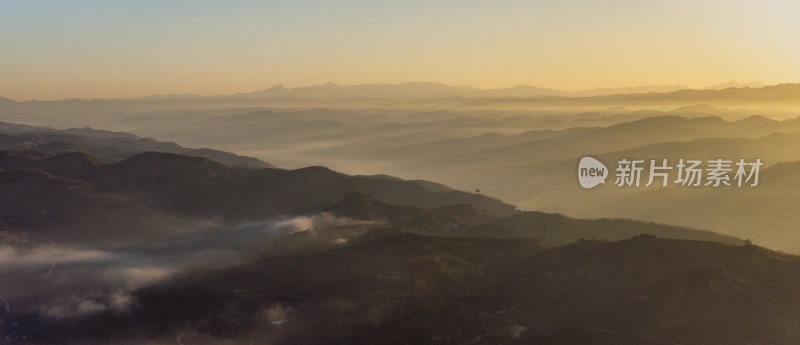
x,y
115,207
416,172
521,150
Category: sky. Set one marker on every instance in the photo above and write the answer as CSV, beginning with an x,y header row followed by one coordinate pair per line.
x,y
116,49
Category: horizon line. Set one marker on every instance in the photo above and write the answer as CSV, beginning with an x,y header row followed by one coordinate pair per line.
x,y
678,87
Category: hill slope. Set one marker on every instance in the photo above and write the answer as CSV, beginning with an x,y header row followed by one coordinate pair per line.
x,y
110,145
414,289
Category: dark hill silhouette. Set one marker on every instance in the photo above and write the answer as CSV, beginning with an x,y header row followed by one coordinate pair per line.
x,y
77,165
111,146
620,136
781,93
785,174
550,186
417,289
31,196
562,230
199,188
465,220
169,166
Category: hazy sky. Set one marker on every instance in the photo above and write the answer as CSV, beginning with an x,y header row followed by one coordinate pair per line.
x,y
114,48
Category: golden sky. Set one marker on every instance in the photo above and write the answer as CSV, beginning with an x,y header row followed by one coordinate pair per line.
x,y
108,49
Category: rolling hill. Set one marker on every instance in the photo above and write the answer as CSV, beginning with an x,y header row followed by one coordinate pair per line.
x,y
417,289
110,145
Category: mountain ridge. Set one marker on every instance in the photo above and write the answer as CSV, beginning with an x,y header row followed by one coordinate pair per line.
x,y
199,188
419,289
110,145
422,90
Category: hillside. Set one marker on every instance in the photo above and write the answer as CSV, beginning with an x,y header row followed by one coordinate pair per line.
x,y
162,248
198,188
112,146
416,289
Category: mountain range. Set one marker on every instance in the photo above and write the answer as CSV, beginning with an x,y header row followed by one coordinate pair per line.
x,y
111,146
431,90
417,90
159,247
57,196
122,236
437,90
409,288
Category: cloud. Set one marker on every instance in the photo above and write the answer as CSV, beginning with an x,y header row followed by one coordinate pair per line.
x,y
60,281
48,254
277,313
340,241
317,221
71,306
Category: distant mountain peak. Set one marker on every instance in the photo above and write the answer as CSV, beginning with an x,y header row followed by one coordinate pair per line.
x,y
7,100
756,119
736,84
427,90
641,89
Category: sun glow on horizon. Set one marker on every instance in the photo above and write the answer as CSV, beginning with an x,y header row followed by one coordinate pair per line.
x,y
95,49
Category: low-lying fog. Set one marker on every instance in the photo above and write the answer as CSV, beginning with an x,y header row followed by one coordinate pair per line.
x,y
64,280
